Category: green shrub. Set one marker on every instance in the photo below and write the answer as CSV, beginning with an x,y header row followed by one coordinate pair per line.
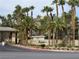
x,y
62,45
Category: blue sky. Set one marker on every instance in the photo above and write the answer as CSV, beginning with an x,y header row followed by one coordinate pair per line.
x,y
8,6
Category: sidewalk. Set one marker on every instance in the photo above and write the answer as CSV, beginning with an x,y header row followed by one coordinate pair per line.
x,y
40,49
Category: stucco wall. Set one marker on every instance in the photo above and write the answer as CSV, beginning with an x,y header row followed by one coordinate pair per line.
x,y
45,41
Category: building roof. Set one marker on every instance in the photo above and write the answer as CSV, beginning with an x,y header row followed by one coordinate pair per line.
x,y
7,29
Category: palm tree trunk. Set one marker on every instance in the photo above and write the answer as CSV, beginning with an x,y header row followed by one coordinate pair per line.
x,y
49,37
64,19
32,14
63,9
57,16
53,40
31,28
47,14
57,36
63,13
51,15
73,24
26,36
57,7
32,20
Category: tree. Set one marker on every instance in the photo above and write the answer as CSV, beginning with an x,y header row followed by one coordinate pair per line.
x,y
57,13
26,10
7,21
10,20
51,10
31,8
46,9
18,14
3,20
56,2
62,3
73,3
59,26
23,21
25,26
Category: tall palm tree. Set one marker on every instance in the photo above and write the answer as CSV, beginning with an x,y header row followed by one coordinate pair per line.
x,y
57,13
73,3
62,3
26,10
7,21
50,25
59,25
18,14
50,10
22,21
56,2
3,20
46,9
25,25
29,22
31,8
10,20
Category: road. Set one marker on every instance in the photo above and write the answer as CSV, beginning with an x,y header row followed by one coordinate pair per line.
x,y
10,52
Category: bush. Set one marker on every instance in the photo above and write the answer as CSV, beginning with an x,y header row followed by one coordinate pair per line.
x,y
62,45
42,45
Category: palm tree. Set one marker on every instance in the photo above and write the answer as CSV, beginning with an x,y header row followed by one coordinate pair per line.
x,y
56,2
25,26
73,3
23,22
7,21
43,25
62,3
3,20
26,10
58,26
46,9
31,8
18,14
57,13
50,10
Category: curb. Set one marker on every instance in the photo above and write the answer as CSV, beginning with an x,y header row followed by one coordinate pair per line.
x,y
39,49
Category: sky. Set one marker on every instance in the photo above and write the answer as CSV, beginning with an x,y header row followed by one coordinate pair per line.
x,y
8,6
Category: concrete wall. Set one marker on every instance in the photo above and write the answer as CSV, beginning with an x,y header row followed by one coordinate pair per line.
x,y
39,42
